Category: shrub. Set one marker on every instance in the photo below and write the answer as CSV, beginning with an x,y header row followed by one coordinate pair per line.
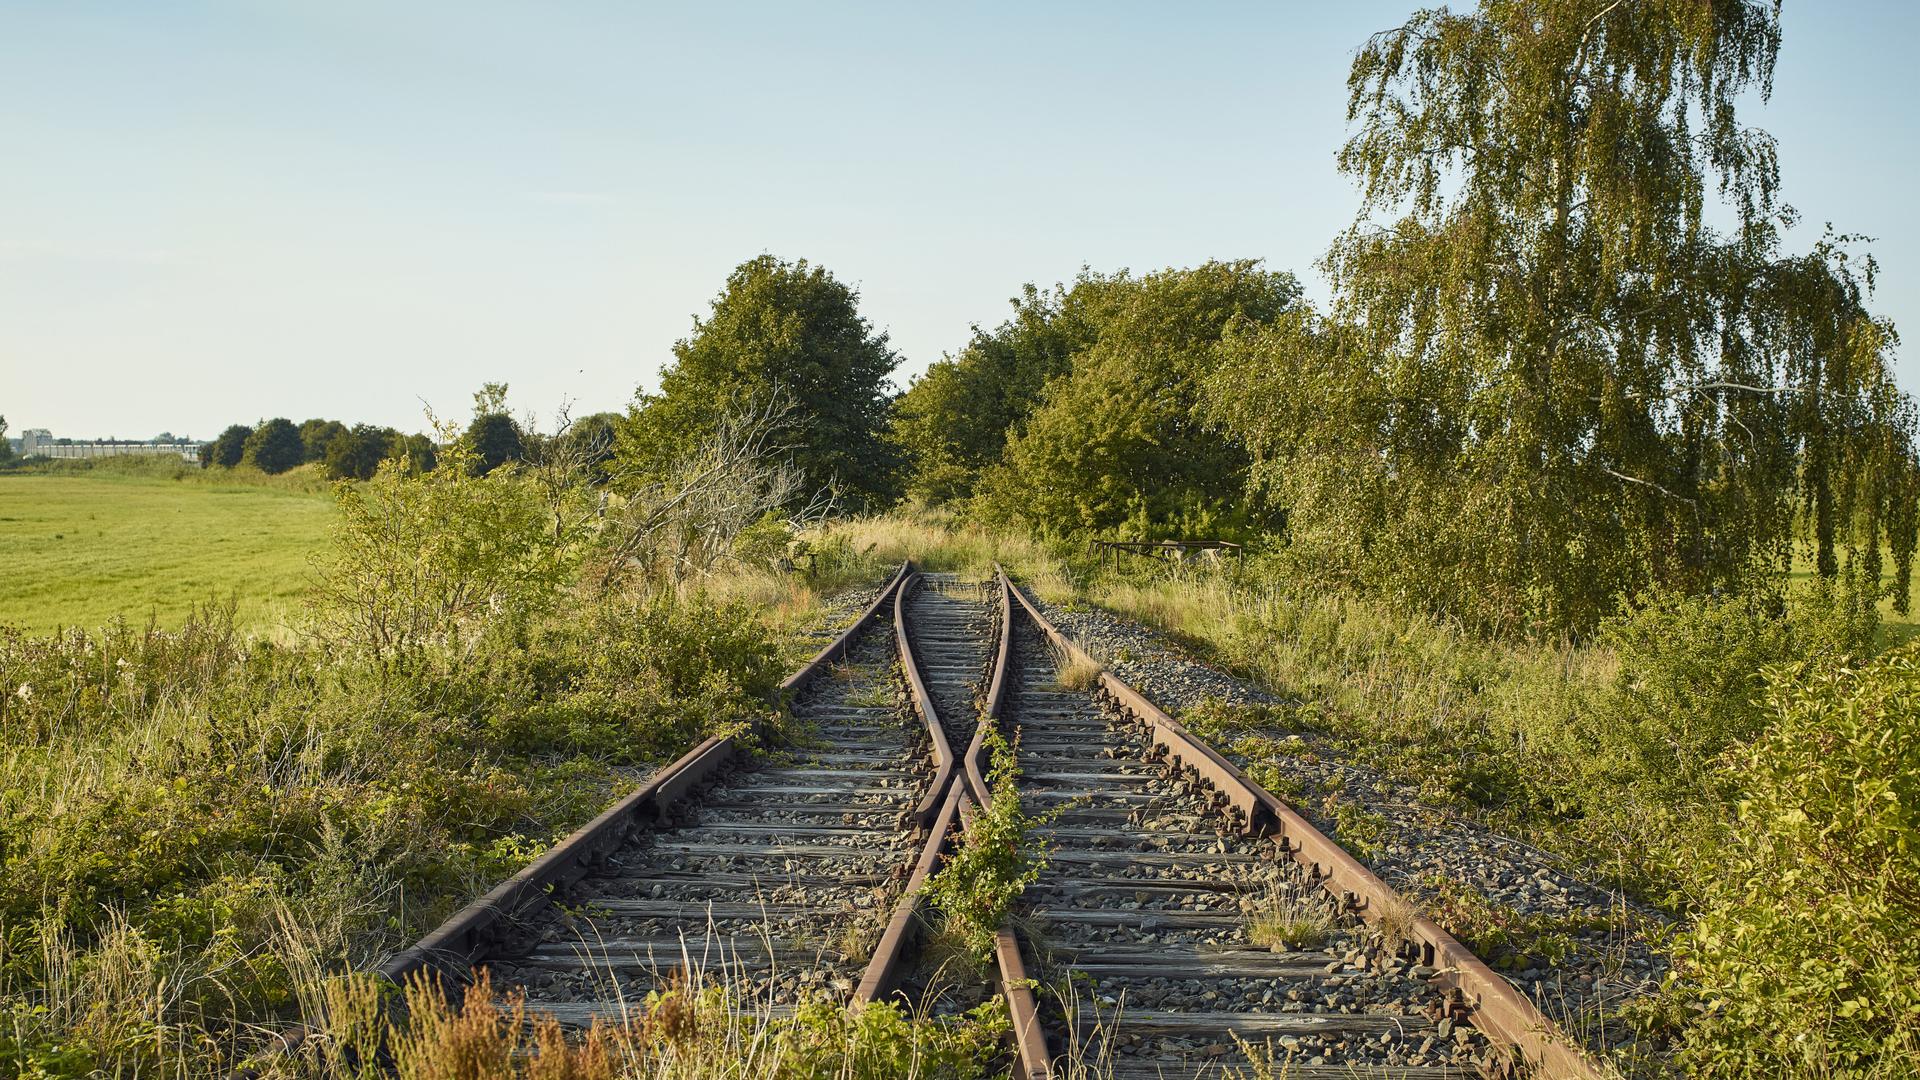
x,y
229,447
1805,959
434,559
996,861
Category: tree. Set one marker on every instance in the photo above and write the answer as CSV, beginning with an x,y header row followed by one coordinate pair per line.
x,y
954,422
1548,382
415,454
1118,443
230,447
274,446
495,439
590,441
6,448
778,331
357,454
315,435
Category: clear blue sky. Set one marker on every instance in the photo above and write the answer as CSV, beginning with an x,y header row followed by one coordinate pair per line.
x,y
217,212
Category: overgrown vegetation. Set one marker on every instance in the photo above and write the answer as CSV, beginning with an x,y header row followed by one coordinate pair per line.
x,y
1802,958
199,825
992,866
698,1029
1524,501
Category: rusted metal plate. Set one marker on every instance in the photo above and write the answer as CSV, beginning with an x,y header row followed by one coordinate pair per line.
x,y
1492,1004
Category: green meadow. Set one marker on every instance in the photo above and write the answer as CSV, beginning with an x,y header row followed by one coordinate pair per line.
x,y
83,547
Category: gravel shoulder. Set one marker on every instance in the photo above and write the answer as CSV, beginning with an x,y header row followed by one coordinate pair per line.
x,y
1579,950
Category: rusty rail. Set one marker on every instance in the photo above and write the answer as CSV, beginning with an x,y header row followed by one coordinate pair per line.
x,y
1490,1003
452,948
943,761
958,804
1032,1059
903,928
837,648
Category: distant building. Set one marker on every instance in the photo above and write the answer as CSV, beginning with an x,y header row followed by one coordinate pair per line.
x,y
39,442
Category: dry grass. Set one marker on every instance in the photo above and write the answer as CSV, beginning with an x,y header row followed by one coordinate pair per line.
x,y
1395,924
1284,919
1075,672
700,1026
940,542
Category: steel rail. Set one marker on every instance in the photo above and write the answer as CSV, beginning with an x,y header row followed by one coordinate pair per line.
x,y
1032,1061
943,761
901,936
1489,1002
452,948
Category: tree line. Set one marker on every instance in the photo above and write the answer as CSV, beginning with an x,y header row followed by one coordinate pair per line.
x,y
1547,381
357,452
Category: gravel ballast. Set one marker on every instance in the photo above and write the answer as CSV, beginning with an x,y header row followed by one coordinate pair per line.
x,y
1602,955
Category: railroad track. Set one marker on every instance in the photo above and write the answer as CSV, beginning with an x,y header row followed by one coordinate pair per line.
x,y
776,873
1151,946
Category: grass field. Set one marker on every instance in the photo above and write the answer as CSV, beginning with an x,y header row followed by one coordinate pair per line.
x,y
80,548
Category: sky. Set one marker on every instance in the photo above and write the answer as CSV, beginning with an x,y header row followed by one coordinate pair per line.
x,y
212,213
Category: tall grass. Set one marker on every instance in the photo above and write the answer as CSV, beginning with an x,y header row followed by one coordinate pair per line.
x,y
1603,750
197,824
702,1026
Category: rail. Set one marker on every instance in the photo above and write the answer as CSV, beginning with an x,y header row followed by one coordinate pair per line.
x,y
458,943
1490,1003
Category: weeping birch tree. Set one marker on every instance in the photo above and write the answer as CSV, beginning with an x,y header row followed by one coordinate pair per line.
x,y
1569,353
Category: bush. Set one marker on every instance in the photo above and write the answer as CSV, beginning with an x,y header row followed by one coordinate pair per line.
x,y
435,559
1805,959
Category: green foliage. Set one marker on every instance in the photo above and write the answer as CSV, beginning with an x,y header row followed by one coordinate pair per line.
x,y
1802,960
1505,937
632,680
415,454
431,561
1550,383
995,863
495,440
825,1041
1359,830
1118,443
316,435
229,447
769,543
590,442
778,332
6,448
357,453
953,423
274,446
